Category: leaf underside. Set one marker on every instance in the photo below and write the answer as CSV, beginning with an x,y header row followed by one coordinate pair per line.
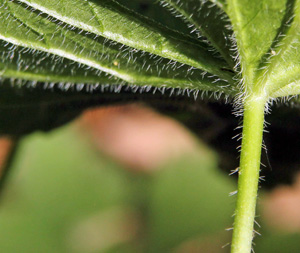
x,y
139,53
103,42
266,34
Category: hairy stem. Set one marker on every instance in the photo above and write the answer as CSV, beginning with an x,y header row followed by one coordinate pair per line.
x,y
248,175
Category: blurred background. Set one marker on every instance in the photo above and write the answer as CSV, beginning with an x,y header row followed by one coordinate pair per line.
x,y
127,179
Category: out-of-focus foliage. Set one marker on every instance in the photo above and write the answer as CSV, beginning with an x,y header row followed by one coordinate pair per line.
x,y
59,184
64,197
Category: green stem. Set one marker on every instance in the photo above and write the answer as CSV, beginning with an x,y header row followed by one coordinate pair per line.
x,y
248,174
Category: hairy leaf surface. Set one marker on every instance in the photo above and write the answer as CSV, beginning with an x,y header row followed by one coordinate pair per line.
x,y
103,42
22,63
30,28
256,25
282,75
104,18
209,20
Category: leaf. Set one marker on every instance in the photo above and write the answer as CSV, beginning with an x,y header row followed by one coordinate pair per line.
x,y
96,52
23,63
269,56
104,18
255,24
208,20
154,11
281,75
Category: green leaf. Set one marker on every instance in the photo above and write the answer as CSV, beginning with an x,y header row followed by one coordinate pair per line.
x,y
274,69
256,25
154,11
208,20
104,18
24,27
23,63
282,73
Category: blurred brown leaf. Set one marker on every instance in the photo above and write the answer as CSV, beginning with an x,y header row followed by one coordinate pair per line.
x,y
135,135
6,145
281,207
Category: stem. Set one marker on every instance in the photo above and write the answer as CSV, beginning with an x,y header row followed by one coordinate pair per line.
x,y
248,174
